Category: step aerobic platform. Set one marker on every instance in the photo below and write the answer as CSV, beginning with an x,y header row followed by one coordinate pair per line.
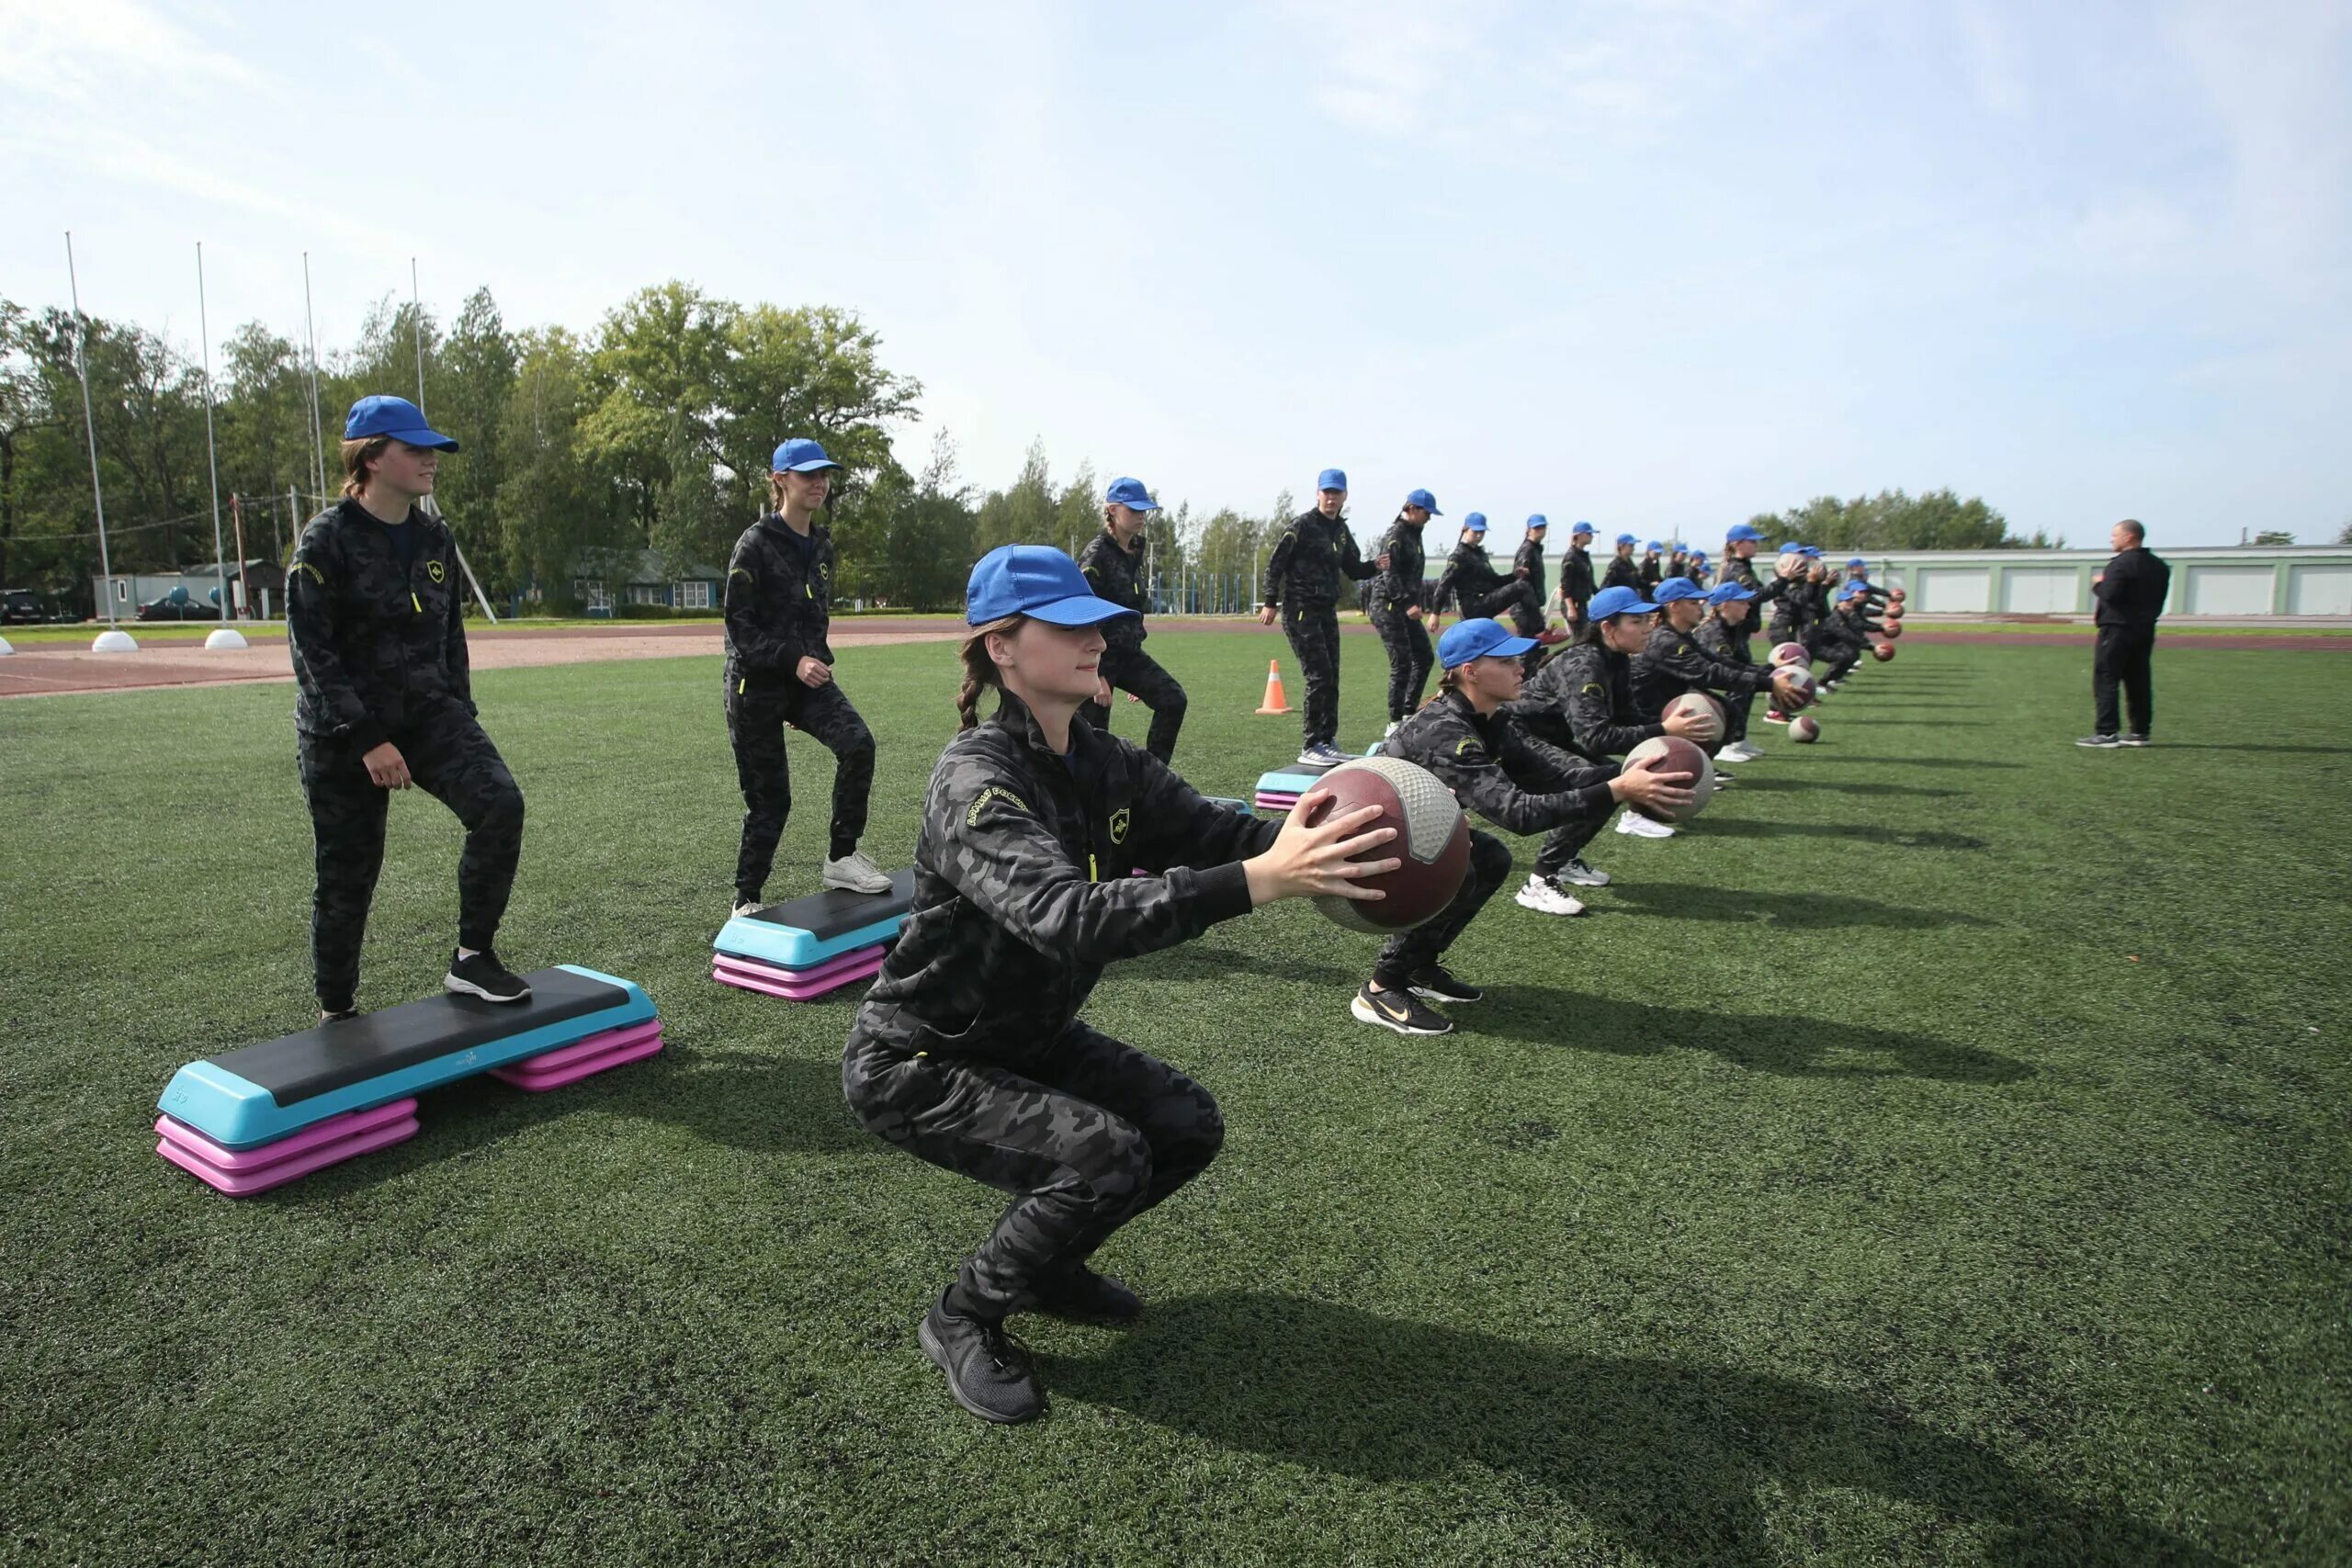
x,y
1279,788
257,1117
806,947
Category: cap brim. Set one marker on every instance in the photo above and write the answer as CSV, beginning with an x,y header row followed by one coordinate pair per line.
x,y
432,439
809,467
1509,648
1084,610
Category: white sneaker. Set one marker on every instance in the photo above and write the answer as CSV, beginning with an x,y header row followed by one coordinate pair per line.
x,y
1310,756
1738,751
746,907
1640,827
1583,875
1545,899
1394,725
855,874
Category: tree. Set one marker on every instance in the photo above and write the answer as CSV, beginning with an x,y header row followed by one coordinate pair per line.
x,y
2272,537
553,502
2344,534
1024,514
1895,520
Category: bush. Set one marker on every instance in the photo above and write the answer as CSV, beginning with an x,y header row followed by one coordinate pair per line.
x,y
662,613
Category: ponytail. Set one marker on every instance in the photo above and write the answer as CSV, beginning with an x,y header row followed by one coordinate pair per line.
x,y
979,670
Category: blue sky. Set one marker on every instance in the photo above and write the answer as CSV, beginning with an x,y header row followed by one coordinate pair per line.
x,y
1659,264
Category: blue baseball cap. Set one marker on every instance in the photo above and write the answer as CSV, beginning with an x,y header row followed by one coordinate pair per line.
x,y
1619,602
1860,562
1675,588
395,417
800,455
1810,552
1581,528
1741,533
1036,580
1425,500
1332,479
1627,539
1474,523
1853,591
1130,493
1727,593
1654,544
1537,520
1479,638
1791,544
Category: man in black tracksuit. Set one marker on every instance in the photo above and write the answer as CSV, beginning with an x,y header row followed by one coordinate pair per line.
x,y
779,670
374,624
1303,586
1577,585
1111,562
2131,591
1471,584
1396,604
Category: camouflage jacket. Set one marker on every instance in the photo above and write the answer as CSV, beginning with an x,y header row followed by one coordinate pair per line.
x,y
1022,891
1674,662
1497,769
374,646
1529,560
1582,698
1623,571
1111,571
779,602
1309,558
1725,643
1576,585
1402,586
1469,577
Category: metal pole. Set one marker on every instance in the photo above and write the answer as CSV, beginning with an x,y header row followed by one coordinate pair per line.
x,y
318,431
90,427
432,503
416,307
211,459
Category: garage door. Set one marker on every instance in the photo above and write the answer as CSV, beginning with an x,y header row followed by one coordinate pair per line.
x,y
2040,591
2228,591
2319,590
1948,591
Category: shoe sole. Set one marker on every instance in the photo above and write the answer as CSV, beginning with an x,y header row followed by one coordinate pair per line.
x,y
2099,745
1429,996
2132,745
937,1356
840,885
1524,903
467,989
1373,1015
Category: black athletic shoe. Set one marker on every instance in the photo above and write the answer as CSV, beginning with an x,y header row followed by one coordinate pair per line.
x,y
2132,737
2100,742
483,975
988,1372
337,1015
1439,986
1087,1297
1400,1010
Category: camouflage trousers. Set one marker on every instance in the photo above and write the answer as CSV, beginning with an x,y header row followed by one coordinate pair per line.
x,y
755,721
1087,1135
451,759
1314,634
1516,599
1411,658
1132,670
1406,951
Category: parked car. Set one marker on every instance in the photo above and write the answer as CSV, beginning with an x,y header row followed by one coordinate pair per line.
x,y
178,605
22,607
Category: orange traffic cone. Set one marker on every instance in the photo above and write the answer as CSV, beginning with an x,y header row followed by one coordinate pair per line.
x,y
1273,703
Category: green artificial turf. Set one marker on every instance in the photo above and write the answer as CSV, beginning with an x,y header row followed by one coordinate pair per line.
x,y
1937,1155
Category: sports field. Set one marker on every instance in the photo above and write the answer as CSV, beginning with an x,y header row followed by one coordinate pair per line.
x,y
1937,1155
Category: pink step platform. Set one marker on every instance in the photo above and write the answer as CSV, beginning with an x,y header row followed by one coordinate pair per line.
x,y
1271,800
569,1063
797,985
241,1173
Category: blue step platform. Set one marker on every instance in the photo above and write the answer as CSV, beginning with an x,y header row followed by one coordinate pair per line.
x,y
806,947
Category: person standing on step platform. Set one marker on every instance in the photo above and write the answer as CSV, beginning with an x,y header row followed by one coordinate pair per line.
x,y
375,623
779,670
968,1052
1303,587
1623,571
1672,662
1110,561
1724,635
1518,782
1582,700
1653,571
2130,591
1471,583
1577,585
1398,613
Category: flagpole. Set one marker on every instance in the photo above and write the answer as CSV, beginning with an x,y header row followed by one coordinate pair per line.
x,y
114,639
432,503
318,438
227,636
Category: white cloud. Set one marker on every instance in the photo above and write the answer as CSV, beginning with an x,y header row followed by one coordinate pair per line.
x,y
75,49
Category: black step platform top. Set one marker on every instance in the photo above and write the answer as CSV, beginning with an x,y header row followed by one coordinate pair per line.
x,y
834,913
1310,769
336,1055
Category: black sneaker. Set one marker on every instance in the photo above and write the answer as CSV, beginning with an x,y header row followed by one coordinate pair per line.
x,y
337,1015
483,975
2100,742
2132,737
1399,1011
1439,986
988,1372
1089,1297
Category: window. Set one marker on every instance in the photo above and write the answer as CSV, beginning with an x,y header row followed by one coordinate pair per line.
x,y
589,592
645,593
121,588
693,595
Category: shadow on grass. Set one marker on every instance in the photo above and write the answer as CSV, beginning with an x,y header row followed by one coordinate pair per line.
x,y
1798,1047
1898,837
1795,912
1749,784
1670,1457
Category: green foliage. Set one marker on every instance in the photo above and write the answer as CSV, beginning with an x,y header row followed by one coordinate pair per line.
x,y
1896,520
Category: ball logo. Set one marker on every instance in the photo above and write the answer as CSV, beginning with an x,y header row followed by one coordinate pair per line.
x,y
433,570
